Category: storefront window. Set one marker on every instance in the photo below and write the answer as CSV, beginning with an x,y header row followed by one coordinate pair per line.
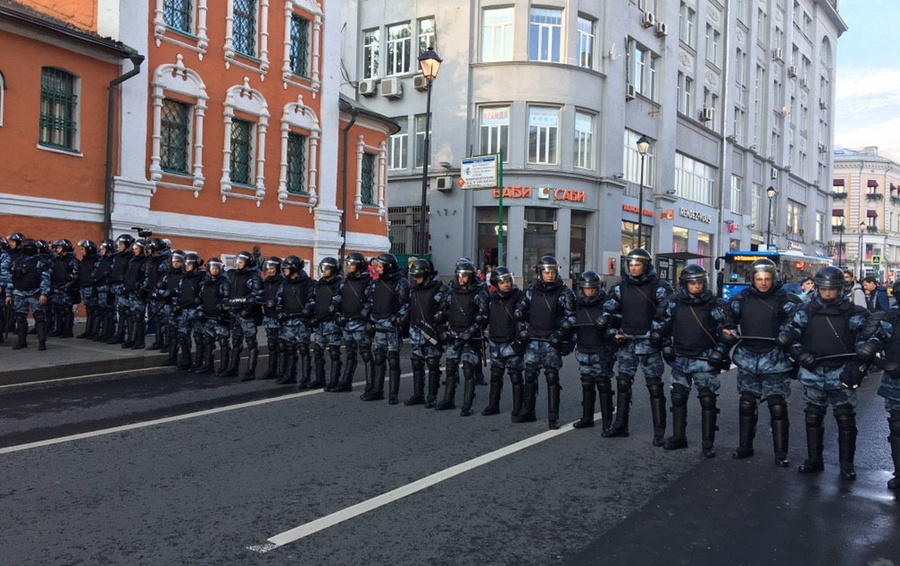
x,y
487,236
540,238
704,248
630,237
577,241
679,239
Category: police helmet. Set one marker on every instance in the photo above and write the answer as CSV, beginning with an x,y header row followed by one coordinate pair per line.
x,y
354,262
177,255
29,246
107,245
155,245
273,261
215,263
388,263
502,273
547,263
3,243
895,290
693,273
329,263
637,255
16,238
830,277
465,268
292,264
139,244
422,268
167,244
193,260
125,239
246,257
764,265
90,248
589,280
42,246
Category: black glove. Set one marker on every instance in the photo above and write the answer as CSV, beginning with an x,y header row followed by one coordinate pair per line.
x,y
518,347
852,375
719,360
522,335
556,339
668,353
656,339
806,360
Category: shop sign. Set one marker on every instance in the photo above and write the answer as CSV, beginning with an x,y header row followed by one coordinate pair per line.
x,y
634,210
513,192
545,193
667,214
695,215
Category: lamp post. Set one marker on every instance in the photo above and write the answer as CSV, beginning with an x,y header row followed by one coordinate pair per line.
x,y
840,241
643,145
862,228
770,192
430,63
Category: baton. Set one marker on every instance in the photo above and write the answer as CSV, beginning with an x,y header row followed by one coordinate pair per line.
x,y
835,357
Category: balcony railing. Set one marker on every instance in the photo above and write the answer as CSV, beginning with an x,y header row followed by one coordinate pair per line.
x,y
838,229
872,229
874,196
838,195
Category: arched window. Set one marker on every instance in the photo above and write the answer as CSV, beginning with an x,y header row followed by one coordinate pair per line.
x,y
179,106
300,133
246,121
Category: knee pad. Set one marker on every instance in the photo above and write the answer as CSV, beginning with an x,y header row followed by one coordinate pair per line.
x,y
418,364
379,358
747,403
680,394
707,398
844,410
39,317
366,356
334,352
497,373
894,423
604,385
653,382
434,364
778,408
623,383
252,344
814,414
515,376
552,376
531,375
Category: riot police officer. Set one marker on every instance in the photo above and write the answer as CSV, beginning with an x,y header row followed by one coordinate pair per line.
x,y
135,293
154,270
594,351
890,383
425,298
354,319
185,311
389,309
326,299
86,266
169,310
834,341
547,310
215,322
690,331
506,348
245,295
272,279
120,262
631,306
63,279
761,311
292,303
30,290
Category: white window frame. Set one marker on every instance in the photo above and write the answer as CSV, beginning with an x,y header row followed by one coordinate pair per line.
x,y
694,180
311,11
632,160
249,101
371,53
584,150
685,91
300,119
398,147
737,194
493,133
641,69
419,120
259,64
713,44
178,79
394,59
549,36
497,38
160,28
545,133
687,25
426,39
586,42
380,152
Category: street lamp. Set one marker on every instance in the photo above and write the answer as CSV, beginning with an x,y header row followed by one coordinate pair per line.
x,y
643,146
430,63
770,192
840,241
862,228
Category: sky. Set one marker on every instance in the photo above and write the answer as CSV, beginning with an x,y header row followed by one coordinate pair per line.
x,y
867,87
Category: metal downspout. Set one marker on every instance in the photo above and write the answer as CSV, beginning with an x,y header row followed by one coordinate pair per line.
x,y
354,112
136,60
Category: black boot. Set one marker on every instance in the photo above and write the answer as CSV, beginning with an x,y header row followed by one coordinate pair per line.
x,y
815,438
418,371
55,323
679,418
780,428
234,361
119,335
434,381
349,370
208,356
369,367
289,365
468,391
493,406
605,398
657,410
709,414
393,377
68,322
88,325
450,384
199,355
21,333
553,389
130,326
379,368
304,367
894,441
623,407
529,397
252,359
517,384
40,328
273,360
139,329
846,423
588,401
334,374
224,357
100,327
185,362
319,367
172,358
747,417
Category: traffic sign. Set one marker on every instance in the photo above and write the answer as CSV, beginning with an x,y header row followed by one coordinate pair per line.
x,y
876,260
479,172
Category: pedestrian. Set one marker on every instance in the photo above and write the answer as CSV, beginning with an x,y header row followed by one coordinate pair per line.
x,y
465,310
325,300
547,310
631,305
594,350
507,350
690,331
389,309
272,280
761,312
291,304
807,289
353,317
876,295
30,292
834,341
426,296
853,289
244,297
890,383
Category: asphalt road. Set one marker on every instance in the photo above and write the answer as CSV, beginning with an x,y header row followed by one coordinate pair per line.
x,y
203,470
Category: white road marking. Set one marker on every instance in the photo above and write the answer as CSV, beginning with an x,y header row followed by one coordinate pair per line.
x,y
155,422
322,523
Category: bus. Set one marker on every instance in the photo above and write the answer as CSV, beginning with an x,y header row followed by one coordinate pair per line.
x,y
793,266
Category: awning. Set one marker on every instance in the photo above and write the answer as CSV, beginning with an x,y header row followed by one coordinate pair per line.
x,y
872,183
837,183
893,187
837,212
871,214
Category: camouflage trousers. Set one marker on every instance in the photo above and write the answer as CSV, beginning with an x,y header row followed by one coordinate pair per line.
x,y
594,365
328,333
542,355
890,390
503,356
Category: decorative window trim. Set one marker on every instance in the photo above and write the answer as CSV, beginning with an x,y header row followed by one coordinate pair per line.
x,y
261,65
177,78
76,115
381,179
160,28
249,101
298,116
313,84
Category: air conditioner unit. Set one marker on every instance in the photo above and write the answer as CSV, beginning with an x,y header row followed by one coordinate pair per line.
x,y
367,87
792,71
823,148
420,82
662,29
823,104
804,83
706,115
629,92
391,87
801,232
648,20
777,54
443,184
774,174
